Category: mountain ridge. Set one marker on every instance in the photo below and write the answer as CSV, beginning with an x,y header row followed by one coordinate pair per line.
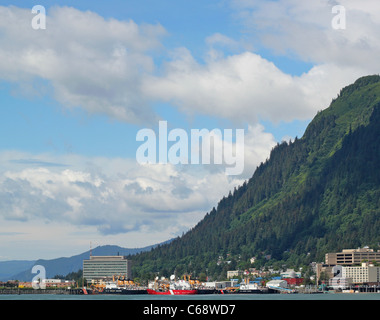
x,y
316,194
313,195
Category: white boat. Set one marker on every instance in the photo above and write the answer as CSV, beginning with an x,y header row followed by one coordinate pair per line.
x,y
249,288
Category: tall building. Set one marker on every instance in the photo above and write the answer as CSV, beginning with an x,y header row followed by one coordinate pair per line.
x,y
365,274
103,267
347,258
350,257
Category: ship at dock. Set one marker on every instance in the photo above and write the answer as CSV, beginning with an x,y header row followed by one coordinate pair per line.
x,y
175,292
118,285
112,288
173,287
249,288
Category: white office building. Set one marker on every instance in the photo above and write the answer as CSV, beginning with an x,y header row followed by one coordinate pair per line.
x,y
102,267
365,274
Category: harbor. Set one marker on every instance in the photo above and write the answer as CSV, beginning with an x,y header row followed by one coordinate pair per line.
x,y
112,276
181,287
198,297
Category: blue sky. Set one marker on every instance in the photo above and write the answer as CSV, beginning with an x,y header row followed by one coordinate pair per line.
x,y
74,96
37,123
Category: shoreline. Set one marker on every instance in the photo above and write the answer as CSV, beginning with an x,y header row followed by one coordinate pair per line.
x,y
76,291
79,291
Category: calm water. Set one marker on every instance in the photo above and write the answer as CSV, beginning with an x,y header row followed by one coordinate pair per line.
x,y
327,296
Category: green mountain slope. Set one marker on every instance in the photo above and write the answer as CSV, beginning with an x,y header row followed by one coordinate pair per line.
x,y
317,194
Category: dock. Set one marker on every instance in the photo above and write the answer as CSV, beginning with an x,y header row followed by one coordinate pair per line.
x,y
20,291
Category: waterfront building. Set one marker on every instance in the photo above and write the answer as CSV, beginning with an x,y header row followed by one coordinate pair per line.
x,y
50,283
366,274
277,284
290,273
294,281
353,272
106,267
340,283
350,257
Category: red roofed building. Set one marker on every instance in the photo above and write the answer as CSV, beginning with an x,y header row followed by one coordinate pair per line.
x,y
294,281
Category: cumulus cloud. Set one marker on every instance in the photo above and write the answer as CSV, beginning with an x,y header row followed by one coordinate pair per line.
x,y
118,196
149,198
304,28
246,87
107,66
91,62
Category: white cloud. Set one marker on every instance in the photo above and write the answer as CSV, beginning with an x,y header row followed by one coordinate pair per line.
x,y
111,196
107,66
131,198
246,87
91,62
258,145
305,28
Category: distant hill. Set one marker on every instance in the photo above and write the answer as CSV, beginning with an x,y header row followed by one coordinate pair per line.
x,y
9,268
316,194
21,270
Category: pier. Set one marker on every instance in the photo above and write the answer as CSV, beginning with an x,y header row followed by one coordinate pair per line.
x,y
20,291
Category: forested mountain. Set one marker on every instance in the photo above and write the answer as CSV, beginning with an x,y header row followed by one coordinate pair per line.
x,y
317,194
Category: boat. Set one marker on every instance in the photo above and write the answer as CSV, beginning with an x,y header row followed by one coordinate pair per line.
x,y
179,287
249,288
172,292
112,288
202,290
124,291
118,285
